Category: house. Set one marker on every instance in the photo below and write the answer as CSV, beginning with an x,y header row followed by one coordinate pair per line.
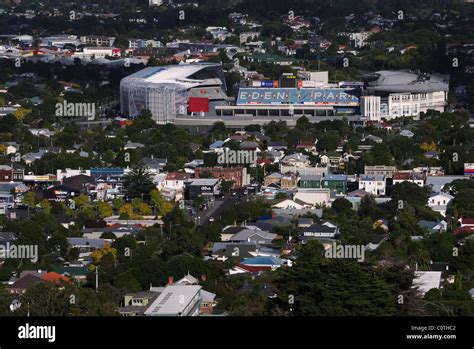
x,y
217,145
407,133
439,202
376,241
250,145
277,146
338,183
426,280
288,182
21,285
287,204
305,222
6,173
437,183
181,300
238,174
256,236
225,250
81,182
380,170
155,165
433,226
261,263
65,220
466,222
259,136
313,197
417,178
60,193
448,274
56,278
372,138
372,184
273,179
471,292
308,146
324,230
467,226
10,147
331,157
432,154
78,274
88,243
133,146
296,160
135,304
310,181
41,132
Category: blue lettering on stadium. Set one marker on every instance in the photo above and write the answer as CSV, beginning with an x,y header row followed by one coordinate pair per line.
x,y
334,96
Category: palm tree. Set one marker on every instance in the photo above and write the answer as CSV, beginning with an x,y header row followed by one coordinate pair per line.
x,y
138,183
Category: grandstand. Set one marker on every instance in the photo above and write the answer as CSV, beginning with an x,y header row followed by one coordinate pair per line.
x,y
165,91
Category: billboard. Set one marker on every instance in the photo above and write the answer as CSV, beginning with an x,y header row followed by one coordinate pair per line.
x,y
286,81
198,104
469,169
311,96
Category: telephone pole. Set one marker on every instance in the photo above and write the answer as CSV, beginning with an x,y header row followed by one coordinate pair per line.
x,y
97,279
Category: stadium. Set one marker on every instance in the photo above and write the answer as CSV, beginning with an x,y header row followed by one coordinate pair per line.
x,y
280,102
167,91
392,94
194,95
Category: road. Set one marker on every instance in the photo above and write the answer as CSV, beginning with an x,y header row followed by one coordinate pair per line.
x,y
221,205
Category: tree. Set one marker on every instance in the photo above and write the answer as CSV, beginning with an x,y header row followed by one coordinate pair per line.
x,y
139,183
409,193
226,186
367,207
341,206
99,254
29,199
81,200
45,205
163,206
126,211
465,203
105,210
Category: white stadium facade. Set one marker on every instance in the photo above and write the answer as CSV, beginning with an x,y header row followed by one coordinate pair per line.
x,y
391,94
165,91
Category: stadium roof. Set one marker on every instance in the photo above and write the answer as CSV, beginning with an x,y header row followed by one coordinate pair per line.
x,y
402,81
173,74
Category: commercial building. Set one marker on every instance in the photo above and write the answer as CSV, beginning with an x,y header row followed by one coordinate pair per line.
x,y
207,188
236,174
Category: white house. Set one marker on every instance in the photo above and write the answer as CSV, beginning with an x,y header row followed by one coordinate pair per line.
x,y
373,184
288,204
313,197
426,280
69,172
439,202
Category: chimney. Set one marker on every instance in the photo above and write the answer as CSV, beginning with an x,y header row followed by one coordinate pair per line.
x,y
170,280
203,278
